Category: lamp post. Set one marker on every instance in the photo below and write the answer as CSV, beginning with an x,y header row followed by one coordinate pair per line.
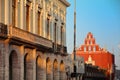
x,y
74,33
74,29
74,51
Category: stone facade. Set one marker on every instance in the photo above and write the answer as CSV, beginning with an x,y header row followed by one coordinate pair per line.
x,y
33,39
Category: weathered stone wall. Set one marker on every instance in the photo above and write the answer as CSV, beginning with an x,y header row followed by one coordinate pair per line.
x,y
23,63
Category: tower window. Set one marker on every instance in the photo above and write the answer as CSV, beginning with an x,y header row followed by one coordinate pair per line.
x,y
89,48
84,49
94,49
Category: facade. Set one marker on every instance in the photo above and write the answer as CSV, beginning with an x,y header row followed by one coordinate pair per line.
x,y
97,56
33,39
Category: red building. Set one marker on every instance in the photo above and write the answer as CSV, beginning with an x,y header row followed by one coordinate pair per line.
x,y
97,56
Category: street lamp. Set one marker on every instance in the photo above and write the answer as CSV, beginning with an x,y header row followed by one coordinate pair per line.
x,y
74,74
74,34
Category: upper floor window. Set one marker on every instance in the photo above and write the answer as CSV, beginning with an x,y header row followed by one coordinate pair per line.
x,y
13,12
48,28
27,17
39,27
61,35
55,32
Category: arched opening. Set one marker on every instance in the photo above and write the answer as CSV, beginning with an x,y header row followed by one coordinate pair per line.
x,y
48,69
39,68
62,71
55,70
13,66
28,67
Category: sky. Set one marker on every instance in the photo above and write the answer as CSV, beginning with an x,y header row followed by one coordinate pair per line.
x,y
101,18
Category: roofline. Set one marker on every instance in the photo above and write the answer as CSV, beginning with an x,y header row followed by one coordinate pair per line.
x,y
65,2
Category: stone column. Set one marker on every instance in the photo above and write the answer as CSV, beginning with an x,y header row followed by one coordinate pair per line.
x,y
2,63
24,15
0,10
6,12
21,13
6,60
34,64
56,75
22,62
44,18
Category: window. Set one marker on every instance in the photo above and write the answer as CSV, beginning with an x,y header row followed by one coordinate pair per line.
x,y
39,29
13,12
48,28
27,17
61,35
89,48
55,33
94,49
84,49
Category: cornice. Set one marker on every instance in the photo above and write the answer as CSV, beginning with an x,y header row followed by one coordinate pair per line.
x,y
65,2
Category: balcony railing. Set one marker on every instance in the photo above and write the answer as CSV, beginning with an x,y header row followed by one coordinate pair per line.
x,y
60,49
15,32
20,34
3,30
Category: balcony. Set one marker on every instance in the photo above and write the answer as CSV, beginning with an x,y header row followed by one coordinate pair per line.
x,y
59,49
17,33
3,31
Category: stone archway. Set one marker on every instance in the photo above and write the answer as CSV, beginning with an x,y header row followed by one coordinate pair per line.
x,y
62,70
28,67
48,69
39,68
13,66
55,70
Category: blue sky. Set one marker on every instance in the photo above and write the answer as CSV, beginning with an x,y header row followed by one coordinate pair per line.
x,y
102,18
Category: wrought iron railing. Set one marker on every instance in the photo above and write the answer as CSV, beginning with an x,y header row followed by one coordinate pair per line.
x,y
59,49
